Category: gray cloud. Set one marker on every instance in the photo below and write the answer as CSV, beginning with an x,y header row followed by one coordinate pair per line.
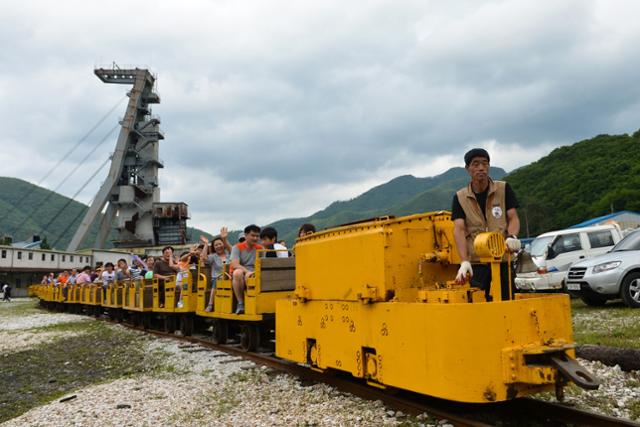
x,y
276,109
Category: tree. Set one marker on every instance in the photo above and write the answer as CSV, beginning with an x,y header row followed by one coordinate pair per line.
x,y
44,244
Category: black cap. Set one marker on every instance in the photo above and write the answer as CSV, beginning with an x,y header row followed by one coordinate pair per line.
x,y
475,152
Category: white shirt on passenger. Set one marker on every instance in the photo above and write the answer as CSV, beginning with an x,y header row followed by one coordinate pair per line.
x,y
108,277
282,250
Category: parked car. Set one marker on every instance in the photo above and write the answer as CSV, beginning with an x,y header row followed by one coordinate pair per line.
x,y
613,275
551,255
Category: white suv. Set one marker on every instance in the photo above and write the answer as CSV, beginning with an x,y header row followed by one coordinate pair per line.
x,y
554,252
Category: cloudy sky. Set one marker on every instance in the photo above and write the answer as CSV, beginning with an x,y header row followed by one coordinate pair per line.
x,y
275,109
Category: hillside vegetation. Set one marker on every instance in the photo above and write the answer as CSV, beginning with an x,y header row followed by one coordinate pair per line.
x,y
571,184
574,183
403,195
29,210
577,182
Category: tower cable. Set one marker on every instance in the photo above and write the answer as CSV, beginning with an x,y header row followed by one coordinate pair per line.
x,y
67,154
72,199
64,180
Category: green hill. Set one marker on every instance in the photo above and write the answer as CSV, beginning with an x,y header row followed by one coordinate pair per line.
x,y
581,181
571,184
403,195
45,213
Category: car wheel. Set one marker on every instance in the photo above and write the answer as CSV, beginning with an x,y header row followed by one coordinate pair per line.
x,y
594,300
630,290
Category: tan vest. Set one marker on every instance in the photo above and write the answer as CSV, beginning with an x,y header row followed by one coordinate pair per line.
x,y
475,222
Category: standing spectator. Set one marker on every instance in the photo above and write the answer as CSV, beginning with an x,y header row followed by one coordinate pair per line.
x,y
243,260
6,290
219,257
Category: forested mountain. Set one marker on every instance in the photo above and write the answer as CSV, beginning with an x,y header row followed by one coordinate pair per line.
x,y
26,210
403,195
571,184
577,182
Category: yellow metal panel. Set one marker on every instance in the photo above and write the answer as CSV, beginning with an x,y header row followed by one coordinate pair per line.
x,y
134,296
454,351
373,260
171,297
256,302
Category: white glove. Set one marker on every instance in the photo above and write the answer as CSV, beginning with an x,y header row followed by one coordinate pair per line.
x,y
465,269
513,244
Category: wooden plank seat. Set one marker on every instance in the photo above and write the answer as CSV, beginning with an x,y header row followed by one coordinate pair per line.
x,y
277,274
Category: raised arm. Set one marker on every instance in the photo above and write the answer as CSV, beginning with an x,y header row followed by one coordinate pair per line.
x,y
205,248
224,235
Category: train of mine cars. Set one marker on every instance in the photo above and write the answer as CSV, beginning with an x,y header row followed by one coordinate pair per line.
x,y
375,299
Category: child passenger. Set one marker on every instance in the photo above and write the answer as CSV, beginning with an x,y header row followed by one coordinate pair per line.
x,y
187,260
108,276
269,237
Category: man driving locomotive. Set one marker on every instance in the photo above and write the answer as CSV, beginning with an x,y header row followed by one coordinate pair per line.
x,y
484,205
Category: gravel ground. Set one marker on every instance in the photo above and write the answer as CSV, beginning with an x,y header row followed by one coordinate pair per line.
x,y
17,341
204,387
197,386
618,395
38,321
20,326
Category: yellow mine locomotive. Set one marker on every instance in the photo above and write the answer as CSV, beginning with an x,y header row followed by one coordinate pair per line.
x,y
375,299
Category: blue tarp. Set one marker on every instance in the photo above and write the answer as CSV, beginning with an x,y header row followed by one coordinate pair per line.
x,y
599,219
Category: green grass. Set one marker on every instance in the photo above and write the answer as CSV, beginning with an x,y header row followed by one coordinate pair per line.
x,y
19,307
613,325
100,353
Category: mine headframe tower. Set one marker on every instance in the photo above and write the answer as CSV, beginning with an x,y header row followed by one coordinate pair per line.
x,y
131,191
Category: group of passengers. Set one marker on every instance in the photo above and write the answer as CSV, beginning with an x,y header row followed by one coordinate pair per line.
x,y
236,262
102,274
241,258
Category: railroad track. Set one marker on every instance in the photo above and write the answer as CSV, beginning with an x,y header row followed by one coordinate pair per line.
x,y
518,412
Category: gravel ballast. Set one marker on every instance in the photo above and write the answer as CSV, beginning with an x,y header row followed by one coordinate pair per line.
x,y
189,385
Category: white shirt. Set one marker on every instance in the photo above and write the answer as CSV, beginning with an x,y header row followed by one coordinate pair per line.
x,y
108,277
282,250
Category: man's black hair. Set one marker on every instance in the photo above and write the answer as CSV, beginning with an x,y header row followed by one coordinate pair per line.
x,y
109,264
270,233
122,259
473,153
86,267
168,247
251,229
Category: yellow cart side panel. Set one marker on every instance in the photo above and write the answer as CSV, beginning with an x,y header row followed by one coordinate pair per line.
x,y
138,296
375,258
464,352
